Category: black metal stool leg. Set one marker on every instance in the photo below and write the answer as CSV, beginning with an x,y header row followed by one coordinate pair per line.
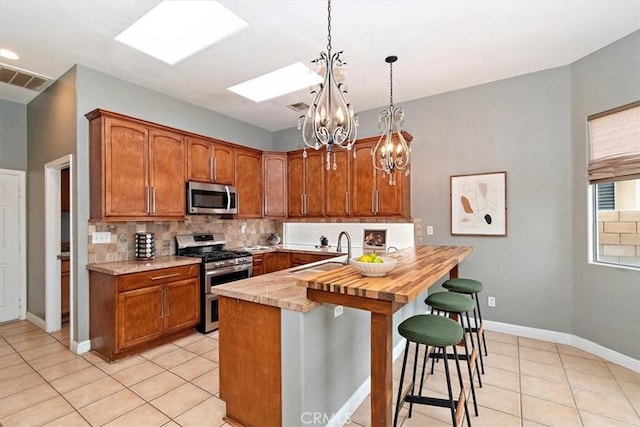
x,y
484,341
452,405
400,397
466,407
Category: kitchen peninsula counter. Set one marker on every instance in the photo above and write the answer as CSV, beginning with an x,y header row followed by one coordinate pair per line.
x,y
305,360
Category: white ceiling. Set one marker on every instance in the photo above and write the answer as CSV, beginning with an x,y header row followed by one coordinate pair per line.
x,y
441,46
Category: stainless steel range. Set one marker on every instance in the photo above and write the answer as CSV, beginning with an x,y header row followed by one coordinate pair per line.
x,y
218,266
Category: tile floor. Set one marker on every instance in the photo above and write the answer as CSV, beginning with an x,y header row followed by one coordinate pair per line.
x,y
527,383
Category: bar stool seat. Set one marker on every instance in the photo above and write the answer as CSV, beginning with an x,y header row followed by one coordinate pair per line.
x,y
473,288
439,332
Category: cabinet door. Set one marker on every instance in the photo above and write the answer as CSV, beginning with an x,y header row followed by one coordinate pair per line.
x,y
181,304
166,174
276,261
338,184
199,160
364,181
389,197
139,316
223,164
314,171
274,184
64,289
257,269
249,183
295,180
126,169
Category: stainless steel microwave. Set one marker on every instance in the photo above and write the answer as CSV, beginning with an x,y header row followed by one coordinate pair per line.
x,y
211,199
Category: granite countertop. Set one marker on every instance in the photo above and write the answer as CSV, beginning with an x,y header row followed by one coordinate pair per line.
x,y
137,266
277,289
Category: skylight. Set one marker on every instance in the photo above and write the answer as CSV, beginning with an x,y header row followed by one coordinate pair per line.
x,y
279,82
174,30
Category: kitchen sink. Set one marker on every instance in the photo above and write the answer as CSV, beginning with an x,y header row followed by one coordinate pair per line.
x,y
318,267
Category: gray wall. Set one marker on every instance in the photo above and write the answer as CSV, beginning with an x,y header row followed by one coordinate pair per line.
x,y
51,130
13,135
606,299
532,127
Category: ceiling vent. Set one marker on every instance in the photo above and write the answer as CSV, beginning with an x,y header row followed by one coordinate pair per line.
x,y
299,107
23,78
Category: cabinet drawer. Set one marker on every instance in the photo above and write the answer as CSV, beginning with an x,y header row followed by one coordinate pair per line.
x,y
156,277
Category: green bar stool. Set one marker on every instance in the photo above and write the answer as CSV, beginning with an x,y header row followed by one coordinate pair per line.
x,y
470,287
452,303
439,332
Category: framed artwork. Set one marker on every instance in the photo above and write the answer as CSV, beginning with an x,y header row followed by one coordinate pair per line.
x,y
375,240
479,204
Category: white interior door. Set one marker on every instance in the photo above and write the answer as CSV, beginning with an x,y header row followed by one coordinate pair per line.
x,y
10,248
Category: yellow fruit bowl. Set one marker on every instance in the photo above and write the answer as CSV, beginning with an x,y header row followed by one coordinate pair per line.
x,y
371,269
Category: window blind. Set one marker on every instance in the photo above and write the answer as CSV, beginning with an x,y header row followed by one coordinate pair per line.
x,y
614,138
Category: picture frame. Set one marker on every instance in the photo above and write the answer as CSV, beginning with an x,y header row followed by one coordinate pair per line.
x,y
479,204
375,240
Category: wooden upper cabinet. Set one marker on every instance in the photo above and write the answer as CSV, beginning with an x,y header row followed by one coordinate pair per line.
x,y
248,177
274,184
136,170
314,182
306,183
208,161
338,184
166,174
126,169
363,184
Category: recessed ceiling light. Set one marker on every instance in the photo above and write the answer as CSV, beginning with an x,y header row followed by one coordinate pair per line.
x,y
174,30
9,54
279,82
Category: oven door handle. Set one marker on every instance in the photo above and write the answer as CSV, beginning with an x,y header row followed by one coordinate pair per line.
x,y
229,269
228,198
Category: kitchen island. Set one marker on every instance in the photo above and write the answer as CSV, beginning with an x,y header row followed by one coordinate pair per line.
x,y
279,366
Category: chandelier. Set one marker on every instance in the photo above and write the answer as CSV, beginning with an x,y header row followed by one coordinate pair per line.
x,y
330,121
392,151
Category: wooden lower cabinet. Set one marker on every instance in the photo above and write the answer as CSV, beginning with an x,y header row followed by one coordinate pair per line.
x,y
135,311
276,261
298,259
64,289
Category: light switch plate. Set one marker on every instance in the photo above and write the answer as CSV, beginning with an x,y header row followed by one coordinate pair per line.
x,y
101,237
429,230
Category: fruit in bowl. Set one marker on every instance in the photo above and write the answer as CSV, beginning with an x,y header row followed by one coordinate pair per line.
x,y
372,265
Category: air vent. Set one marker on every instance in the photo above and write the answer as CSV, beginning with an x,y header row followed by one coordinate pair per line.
x,y
298,107
23,78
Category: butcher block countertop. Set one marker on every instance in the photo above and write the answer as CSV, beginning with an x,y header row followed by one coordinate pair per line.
x,y
418,268
117,268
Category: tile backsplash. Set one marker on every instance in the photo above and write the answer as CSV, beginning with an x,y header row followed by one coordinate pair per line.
x,y
122,248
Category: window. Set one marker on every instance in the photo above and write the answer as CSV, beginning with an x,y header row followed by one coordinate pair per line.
x,y
614,176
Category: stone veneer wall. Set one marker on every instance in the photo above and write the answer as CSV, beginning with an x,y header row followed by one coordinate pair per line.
x,y
619,237
121,247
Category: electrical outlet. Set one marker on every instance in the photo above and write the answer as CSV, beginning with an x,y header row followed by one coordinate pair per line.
x,y
491,301
429,230
338,310
98,237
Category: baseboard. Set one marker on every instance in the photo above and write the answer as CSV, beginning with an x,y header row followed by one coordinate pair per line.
x,y
40,323
565,338
343,415
80,347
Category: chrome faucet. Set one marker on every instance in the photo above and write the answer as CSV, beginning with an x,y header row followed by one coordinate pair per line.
x,y
339,247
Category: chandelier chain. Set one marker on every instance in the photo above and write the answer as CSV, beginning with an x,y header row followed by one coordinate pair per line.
x,y
391,84
329,28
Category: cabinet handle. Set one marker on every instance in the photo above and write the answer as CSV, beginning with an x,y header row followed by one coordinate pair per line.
x,y
161,303
302,203
153,200
215,169
377,201
147,196
373,201
211,168
166,276
167,301
346,200
306,204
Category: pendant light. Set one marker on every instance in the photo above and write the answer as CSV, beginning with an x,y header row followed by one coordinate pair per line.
x,y
330,121
392,151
